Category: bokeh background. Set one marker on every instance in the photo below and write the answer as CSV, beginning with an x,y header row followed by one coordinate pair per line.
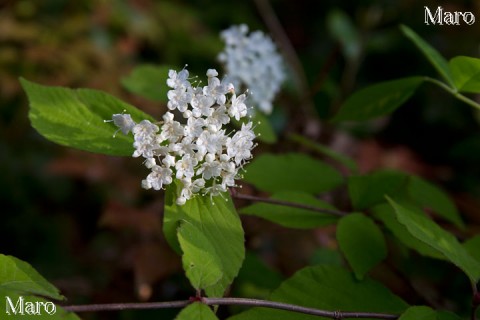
x,y
82,219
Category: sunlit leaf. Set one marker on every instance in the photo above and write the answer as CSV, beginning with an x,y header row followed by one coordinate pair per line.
x,y
201,263
327,288
362,243
197,311
427,313
419,313
293,217
75,118
427,231
220,225
466,73
292,171
148,81
435,58
377,100
17,275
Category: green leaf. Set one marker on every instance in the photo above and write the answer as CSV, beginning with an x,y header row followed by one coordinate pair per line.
x,y
201,263
368,190
197,311
17,275
293,217
327,288
427,313
432,197
378,99
19,280
419,313
427,231
446,315
466,73
435,58
75,118
148,81
217,219
472,245
385,213
325,151
291,171
362,242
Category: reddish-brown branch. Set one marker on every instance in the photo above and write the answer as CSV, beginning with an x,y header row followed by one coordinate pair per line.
x,y
288,204
231,301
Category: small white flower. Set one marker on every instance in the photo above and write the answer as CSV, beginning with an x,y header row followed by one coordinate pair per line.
x,y
238,109
171,130
144,130
176,80
144,136
189,189
216,189
241,144
212,73
202,105
181,200
211,142
179,98
150,162
216,88
124,122
185,167
169,161
218,118
160,176
194,128
210,168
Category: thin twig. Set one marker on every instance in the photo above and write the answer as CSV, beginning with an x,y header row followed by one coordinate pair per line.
x,y
127,306
296,308
288,204
231,301
453,92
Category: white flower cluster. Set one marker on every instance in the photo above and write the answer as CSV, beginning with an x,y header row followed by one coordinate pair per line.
x,y
253,60
199,152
